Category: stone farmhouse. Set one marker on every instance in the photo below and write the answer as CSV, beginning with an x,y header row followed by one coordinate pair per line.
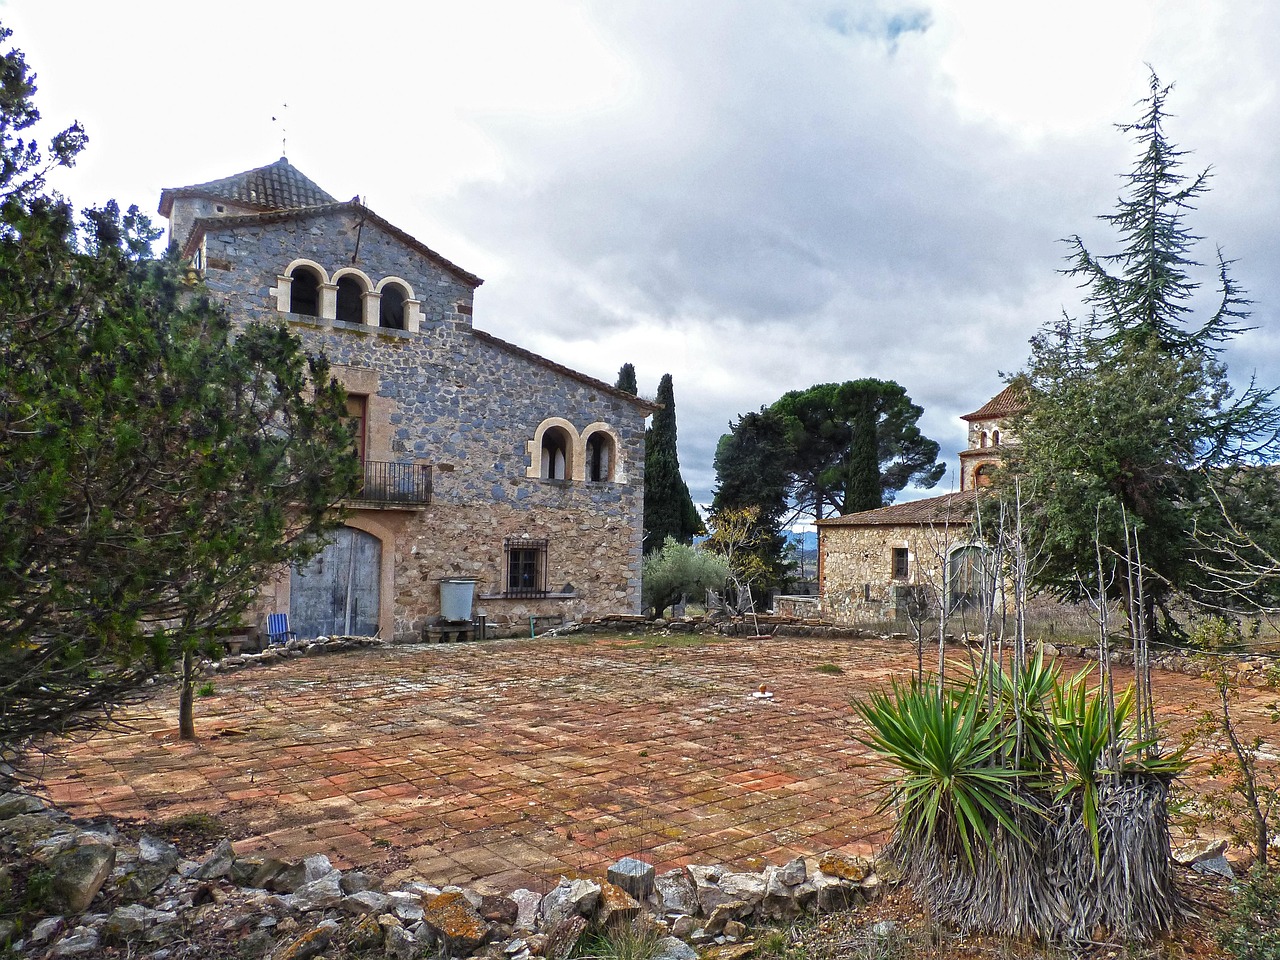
x,y
482,461
870,562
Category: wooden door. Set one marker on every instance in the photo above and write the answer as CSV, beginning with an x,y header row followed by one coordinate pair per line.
x,y
337,594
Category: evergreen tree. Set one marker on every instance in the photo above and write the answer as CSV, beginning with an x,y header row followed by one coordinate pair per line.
x,y
1131,415
854,445
627,379
669,511
752,474
153,469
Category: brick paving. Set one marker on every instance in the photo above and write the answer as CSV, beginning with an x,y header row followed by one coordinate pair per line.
x,y
517,761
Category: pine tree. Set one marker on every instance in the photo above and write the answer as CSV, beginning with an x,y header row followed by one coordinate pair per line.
x,y
669,511
154,470
1131,416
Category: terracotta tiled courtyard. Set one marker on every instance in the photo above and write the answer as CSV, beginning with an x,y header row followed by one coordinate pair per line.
x,y
516,761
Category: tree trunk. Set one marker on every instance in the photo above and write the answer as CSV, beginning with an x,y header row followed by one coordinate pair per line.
x,y
186,714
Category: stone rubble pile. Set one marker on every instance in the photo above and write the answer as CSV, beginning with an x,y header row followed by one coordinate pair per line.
x,y
105,891
284,651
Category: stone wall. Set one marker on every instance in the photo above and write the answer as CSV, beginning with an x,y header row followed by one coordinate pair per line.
x,y
469,406
857,566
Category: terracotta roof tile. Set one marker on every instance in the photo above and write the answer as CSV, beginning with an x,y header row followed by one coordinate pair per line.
x,y
1008,402
277,186
950,507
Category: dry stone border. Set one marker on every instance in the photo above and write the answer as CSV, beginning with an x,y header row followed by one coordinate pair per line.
x,y
1255,670
108,891
285,651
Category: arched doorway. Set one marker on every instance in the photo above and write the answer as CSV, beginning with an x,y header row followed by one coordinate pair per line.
x,y
337,593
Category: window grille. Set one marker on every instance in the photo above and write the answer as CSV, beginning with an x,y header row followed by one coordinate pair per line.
x,y
526,563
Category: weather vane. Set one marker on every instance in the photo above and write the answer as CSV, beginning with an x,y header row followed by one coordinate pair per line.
x,y
284,130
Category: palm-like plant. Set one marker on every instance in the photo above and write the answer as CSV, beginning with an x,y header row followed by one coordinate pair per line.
x,y
954,786
1024,697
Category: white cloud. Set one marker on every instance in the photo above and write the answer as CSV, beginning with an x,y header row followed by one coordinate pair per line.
x,y
754,196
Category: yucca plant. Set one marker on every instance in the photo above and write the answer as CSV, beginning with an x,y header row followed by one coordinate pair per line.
x,y
1024,697
954,786
1084,733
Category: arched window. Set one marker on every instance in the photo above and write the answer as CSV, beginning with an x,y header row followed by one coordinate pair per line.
x,y
350,299
304,292
983,443
600,457
391,307
967,577
995,438
555,454
983,476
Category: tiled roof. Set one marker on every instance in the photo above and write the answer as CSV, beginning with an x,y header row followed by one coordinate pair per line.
x,y
647,405
277,186
274,216
1009,401
950,507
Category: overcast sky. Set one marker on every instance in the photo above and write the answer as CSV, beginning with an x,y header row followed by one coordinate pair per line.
x,y
751,196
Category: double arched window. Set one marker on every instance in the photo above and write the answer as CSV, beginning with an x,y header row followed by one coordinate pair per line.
x,y
600,449
559,452
557,448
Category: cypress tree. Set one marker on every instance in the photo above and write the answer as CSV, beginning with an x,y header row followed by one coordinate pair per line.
x,y
627,380
669,511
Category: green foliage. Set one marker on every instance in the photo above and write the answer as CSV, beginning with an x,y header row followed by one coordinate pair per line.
x,y
854,445
841,447
752,471
1130,409
669,511
206,689
968,760
678,570
1022,695
1252,928
829,668
627,379
951,789
635,940
153,469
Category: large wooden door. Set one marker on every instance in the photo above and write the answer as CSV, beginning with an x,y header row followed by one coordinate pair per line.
x,y
337,593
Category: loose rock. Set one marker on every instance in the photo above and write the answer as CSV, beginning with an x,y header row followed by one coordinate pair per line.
x,y
80,872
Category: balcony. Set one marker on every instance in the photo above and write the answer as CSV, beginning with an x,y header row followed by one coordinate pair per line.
x,y
394,484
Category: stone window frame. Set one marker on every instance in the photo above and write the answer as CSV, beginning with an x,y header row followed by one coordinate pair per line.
x,y
575,452
573,456
412,305
368,299
371,294
284,288
615,472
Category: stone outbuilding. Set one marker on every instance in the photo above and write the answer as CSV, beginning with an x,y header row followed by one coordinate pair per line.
x,y
482,460
873,563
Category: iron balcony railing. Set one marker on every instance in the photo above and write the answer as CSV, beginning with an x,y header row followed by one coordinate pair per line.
x,y
395,483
